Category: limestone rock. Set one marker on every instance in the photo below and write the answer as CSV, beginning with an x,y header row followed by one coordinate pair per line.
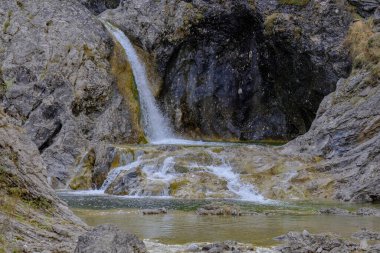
x,y
98,6
108,238
29,208
365,7
225,73
54,61
303,243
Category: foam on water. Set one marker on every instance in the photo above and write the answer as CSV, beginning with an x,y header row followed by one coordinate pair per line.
x,y
113,174
159,132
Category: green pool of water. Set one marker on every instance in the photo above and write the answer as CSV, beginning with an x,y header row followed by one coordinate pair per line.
x,y
181,225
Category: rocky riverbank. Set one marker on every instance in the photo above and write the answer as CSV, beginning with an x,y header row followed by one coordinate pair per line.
x,y
233,70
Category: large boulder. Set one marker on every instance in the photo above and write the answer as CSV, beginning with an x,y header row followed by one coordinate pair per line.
x,y
108,238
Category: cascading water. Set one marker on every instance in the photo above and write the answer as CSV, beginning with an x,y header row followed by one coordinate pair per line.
x,y
155,124
148,176
160,172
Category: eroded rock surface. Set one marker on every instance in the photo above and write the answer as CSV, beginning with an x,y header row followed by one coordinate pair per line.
x,y
108,238
240,69
32,218
54,61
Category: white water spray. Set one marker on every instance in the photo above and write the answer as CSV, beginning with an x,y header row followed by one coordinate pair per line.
x,y
155,124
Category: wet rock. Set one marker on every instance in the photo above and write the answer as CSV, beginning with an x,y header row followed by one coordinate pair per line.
x,y
368,212
236,85
306,242
108,238
226,247
154,211
334,211
219,209
192,248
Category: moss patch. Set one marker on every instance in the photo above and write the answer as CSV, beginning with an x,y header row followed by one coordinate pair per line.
x,y
270,22
17,190
122,71
294,2
83,181
177,185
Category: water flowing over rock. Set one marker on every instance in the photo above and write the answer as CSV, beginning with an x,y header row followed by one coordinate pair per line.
x,y
233,71
155,124
180,172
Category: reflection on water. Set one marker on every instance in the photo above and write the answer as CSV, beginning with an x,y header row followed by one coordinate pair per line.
x,y
181,225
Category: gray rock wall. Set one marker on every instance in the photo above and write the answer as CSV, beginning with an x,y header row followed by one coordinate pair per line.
x,y
54,60
237,69
29,209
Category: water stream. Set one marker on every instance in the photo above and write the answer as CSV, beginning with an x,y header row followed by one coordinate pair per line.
x,y
181,225
156,126
158,130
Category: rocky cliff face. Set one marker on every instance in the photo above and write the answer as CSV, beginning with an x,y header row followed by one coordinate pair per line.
x,y
346,130
57,82
32,218
240,69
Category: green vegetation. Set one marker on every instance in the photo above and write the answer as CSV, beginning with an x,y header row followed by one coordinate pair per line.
x,y
269,23
126,83
364,46
15,190
294,2
20,4
7,22
83,181
177,185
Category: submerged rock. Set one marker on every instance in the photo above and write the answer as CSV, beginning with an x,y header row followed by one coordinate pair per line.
x,y
219,209
368,212
108,238
154,211
334,210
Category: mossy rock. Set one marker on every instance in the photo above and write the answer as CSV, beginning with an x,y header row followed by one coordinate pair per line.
x,y
83,180
126,84
177,185
17,190
294,2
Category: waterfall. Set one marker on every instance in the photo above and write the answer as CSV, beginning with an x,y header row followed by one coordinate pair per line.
x,y
155,124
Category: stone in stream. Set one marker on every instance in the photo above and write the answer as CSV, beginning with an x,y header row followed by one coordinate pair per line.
x,y
364,211
154,211
305,242
334,211
217,209
227,246
109,238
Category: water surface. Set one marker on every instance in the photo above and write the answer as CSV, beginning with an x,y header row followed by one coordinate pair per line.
x,y
181,225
